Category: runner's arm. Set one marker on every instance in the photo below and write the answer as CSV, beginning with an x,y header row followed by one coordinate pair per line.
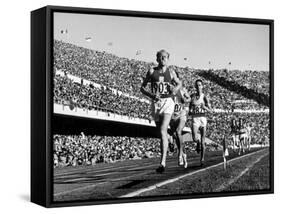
x,y
207,105
144,84
175,89
186,96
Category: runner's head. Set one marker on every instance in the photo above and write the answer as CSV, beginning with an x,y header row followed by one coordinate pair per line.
x,y
199,85
162,57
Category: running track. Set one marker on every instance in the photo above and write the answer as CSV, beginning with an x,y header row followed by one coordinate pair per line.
x,y
113,180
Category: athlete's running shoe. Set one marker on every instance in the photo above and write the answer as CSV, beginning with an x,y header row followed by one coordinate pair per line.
x,y
160,169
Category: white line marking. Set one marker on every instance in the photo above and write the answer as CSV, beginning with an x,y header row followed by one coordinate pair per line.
x,y
138,192
224,186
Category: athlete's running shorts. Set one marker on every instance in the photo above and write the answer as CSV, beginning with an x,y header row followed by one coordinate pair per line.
x,y
176,118
178,115
199,121
161,107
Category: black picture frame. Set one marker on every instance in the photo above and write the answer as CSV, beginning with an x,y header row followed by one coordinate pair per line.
x,y
42,117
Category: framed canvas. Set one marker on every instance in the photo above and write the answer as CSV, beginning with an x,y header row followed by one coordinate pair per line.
x,y
131,106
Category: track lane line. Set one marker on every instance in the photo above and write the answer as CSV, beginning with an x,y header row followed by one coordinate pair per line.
x,y
113,180
152,187
224,186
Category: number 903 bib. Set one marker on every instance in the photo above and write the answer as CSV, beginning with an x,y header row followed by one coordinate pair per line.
x,y
161,88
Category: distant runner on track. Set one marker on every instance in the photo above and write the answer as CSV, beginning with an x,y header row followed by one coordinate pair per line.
x,y
199,106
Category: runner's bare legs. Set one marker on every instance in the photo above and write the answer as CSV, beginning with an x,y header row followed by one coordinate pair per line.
x,y
179,141
164,121
195,137
203,135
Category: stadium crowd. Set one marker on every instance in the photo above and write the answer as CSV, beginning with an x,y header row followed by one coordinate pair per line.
x,y
100,67
125,75
229,82
67,91
250,79
111,72
74,150
219,125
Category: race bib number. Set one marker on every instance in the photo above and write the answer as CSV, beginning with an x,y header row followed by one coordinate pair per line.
x,y
178,107
160,88
197,110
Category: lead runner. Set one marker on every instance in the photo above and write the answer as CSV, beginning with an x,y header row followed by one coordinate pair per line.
x,y
162,79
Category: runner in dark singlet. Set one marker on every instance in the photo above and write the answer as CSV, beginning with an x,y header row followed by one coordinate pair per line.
x,y
161,92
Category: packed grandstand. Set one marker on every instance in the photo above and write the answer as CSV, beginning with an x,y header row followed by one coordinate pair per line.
x,y
94,80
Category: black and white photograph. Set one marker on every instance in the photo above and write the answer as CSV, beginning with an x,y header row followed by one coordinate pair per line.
x,y
149,107
120,106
